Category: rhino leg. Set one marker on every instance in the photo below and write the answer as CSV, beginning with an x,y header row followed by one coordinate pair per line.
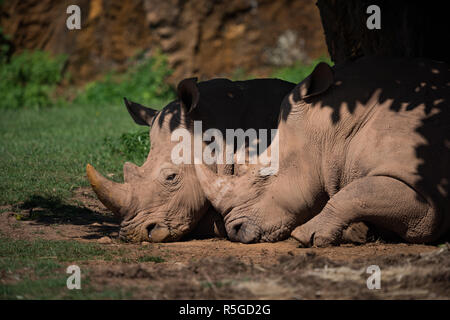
x,y
355,233
380,200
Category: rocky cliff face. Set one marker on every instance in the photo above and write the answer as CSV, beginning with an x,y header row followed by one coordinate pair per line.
x,y
204,38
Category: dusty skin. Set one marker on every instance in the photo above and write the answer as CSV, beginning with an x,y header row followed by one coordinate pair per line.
x,y
220,269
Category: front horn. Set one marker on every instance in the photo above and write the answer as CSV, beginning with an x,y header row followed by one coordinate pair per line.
x,y
115,196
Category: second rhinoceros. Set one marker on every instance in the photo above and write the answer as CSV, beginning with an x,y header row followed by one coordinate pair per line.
x,y
363,141
163,201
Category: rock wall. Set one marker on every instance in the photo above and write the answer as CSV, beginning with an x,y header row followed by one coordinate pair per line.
x,y
204,38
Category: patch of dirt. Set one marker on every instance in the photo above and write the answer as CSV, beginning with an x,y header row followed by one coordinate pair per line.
x,y
220,269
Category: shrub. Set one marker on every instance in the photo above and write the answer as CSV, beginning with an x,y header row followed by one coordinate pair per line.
x,y
299,71
134,145
144,83
28,79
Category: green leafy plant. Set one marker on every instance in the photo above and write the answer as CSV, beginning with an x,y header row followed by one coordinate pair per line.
x,y
144,82
37,269
29,79
133,145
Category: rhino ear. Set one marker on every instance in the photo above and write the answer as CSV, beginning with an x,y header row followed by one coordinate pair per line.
x,y
140,114
188,94
318,81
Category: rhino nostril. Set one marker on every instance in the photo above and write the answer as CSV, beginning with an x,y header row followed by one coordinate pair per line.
x,y
236,228
244,232
236,232
150,228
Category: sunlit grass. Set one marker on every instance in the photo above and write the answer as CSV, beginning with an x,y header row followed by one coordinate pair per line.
x,y
45,152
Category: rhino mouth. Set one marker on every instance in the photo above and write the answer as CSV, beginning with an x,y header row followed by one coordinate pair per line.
x,y
152,230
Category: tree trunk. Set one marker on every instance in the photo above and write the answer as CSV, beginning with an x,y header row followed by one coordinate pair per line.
x,y
408,29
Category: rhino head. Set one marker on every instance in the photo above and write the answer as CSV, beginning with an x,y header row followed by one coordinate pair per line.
x,y
264,206
159,201
163,201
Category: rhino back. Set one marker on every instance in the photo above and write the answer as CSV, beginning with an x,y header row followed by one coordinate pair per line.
x,y
226,104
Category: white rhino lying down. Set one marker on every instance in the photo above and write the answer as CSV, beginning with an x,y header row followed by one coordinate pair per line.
x,y
161,201
364,141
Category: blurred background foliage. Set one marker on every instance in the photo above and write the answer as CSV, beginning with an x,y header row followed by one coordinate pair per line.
x,y
28,80
145,81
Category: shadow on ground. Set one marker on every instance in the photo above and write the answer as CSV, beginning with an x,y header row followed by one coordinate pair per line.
x,y
41,210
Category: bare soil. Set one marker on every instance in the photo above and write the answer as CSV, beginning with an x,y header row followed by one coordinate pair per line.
x,y
220,269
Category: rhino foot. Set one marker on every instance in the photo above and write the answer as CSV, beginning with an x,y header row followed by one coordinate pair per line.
x,y
327,230
356,233
315,234
385,202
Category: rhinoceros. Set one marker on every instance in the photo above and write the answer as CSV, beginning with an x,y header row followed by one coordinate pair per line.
x,y
365,141
162,201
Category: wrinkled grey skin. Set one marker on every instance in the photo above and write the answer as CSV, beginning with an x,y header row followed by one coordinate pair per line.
x,y
364,141
161,201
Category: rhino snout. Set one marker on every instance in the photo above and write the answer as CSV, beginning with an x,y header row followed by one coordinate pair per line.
x,y
243,231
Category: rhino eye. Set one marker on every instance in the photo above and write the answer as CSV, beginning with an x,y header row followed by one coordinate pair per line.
x,y
168,175
171,177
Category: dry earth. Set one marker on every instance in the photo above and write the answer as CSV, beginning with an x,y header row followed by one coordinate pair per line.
x,y
220,269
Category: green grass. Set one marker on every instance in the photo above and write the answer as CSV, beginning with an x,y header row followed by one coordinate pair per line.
x,y
39,269
155,259
45,152
43,256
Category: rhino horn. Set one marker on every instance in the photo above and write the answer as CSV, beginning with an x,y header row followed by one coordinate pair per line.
x,y
218,189
115,196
